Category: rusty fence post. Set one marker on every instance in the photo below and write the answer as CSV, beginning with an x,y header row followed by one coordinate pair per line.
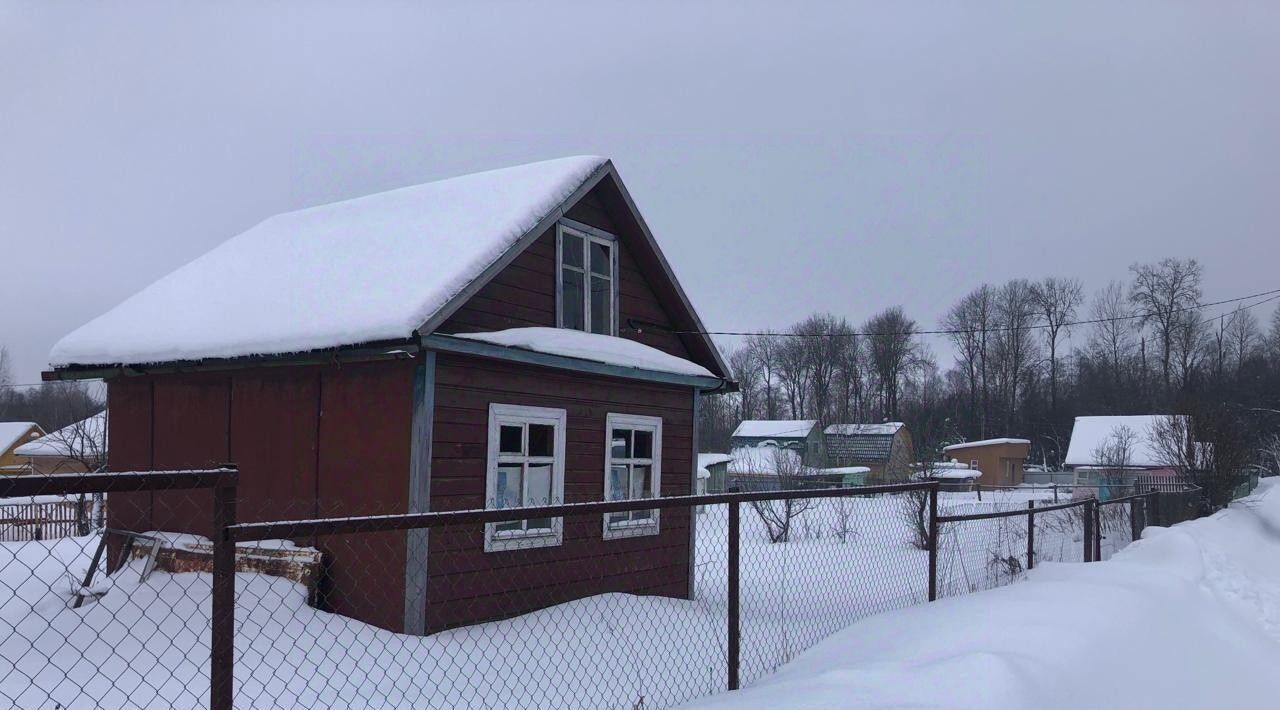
x,y
222,645
1097,532
1137,518
1086,515
933,540
735,639
1031,534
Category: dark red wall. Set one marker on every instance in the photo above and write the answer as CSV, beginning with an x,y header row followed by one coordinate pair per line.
x,y
468,585
524,294
309,441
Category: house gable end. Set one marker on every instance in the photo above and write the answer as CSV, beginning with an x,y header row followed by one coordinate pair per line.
x,y
520,289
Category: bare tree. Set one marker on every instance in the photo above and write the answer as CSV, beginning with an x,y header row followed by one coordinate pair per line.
x,y
1190,338
1245,336
1114,455
766,350
1162,292
1111,340
6,369
825,338
747,369
894,351
789,473
1014,345
1273,338
1056,300
969,322
1211,447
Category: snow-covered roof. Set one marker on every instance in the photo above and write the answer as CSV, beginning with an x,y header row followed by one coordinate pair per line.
x,y
986,442
844,470
768,460
370,269
590,346
85,436
863,429
1091,432
946,470
705,460
12,432
775,428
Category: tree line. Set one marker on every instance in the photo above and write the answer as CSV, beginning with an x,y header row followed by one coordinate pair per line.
x,y
52,405
1029,356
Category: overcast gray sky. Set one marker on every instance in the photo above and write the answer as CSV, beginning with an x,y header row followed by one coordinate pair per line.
x,y
789,157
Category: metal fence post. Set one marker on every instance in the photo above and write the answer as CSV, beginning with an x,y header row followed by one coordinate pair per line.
x,y
222,646
1097,532
933,540
1154,497
1137,518
1086,513
734,627
1031,534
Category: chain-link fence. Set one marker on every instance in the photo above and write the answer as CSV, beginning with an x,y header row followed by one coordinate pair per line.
x,y
94,611
168,602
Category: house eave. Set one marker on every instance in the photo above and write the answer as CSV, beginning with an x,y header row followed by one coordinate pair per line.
x,y
475,348
363,352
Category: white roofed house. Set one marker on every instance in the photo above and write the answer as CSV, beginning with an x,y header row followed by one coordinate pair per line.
x,y
998,461
508,338
1107,451
79,447
12,436
802,436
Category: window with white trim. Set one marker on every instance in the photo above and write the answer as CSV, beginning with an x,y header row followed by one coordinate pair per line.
x,y
525,467
633,471
588,268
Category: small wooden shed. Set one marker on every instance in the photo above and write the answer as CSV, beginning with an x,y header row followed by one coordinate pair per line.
x,y
508,338
999,460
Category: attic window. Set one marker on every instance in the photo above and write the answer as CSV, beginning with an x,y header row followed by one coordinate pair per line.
x,y
587,261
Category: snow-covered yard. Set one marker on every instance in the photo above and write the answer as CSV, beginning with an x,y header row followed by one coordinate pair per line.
x,y
145,644
1188,617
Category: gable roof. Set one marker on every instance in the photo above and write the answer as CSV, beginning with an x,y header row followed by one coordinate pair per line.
x,y
83,437
1089,433
775,428
985,442
12,432
863,429
379,268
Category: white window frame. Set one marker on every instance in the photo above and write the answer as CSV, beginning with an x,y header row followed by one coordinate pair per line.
x,y
632,528
588,236
513,414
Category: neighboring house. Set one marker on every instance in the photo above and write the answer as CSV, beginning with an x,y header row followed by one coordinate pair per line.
x,y
507,338
764,468
999,461
1145,466
847,476
76,448
886,449
712,472
12,436
800,435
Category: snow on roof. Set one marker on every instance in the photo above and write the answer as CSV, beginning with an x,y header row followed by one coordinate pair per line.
x,y
845,469
11,432
767,460
590,346
713,459
85,436
864,429
986,442
1090,432
781,428
363,270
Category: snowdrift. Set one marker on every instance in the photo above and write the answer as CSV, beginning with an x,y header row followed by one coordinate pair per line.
x,y
1187,617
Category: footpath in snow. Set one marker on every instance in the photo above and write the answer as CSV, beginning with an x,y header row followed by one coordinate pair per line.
x,y
1187,617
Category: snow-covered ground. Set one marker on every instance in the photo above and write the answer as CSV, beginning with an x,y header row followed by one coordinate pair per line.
x,y
1188,617
145,644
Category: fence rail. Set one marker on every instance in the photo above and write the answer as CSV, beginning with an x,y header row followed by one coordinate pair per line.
x,y
634,603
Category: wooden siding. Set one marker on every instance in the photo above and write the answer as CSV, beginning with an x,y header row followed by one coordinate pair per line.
x,y
524,293
466,584
308,440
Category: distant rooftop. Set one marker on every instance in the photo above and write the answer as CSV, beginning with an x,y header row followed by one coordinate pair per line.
x,y
775,428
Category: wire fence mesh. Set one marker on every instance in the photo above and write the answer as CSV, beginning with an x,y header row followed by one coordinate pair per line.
x,y
563,606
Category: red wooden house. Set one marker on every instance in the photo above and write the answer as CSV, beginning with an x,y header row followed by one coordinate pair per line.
x,y
505,338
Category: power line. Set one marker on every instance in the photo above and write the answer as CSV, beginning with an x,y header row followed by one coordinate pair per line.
x,y
1274,293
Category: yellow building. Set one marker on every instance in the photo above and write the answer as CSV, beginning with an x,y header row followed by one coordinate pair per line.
x,y
13,435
